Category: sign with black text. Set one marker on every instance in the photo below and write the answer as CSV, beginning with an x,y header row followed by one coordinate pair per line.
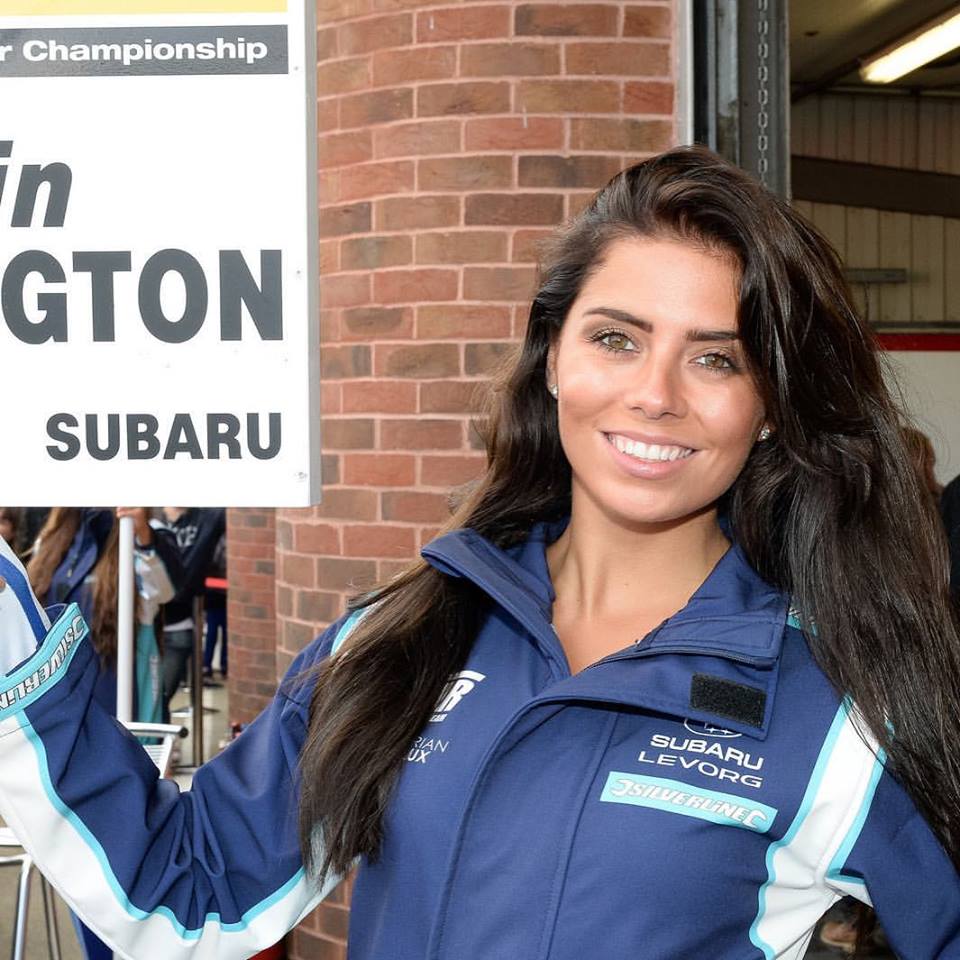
x,y
158,261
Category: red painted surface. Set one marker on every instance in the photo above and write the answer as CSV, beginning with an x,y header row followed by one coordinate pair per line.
x,y
919,341
276,952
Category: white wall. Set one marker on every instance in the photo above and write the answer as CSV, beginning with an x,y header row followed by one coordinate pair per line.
x,y
930,381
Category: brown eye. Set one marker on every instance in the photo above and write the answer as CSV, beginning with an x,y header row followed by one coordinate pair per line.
x,y
716,361
616,341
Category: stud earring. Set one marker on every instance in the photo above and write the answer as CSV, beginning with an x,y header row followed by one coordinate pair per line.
x,y
554,391
765,433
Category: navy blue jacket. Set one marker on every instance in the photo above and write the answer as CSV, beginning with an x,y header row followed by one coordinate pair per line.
x,y
702,793
197,533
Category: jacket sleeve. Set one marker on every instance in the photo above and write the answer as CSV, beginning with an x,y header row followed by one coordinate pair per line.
x,y
891,859
159,874
154,583
25,623
165,545
196,558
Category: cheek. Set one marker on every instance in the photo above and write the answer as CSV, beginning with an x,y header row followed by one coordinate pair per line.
x,y
733,420
588,387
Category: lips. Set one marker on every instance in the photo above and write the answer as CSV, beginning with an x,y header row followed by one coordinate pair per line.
x,y
648,452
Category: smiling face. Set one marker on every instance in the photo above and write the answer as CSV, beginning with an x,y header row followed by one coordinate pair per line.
x,y
657,409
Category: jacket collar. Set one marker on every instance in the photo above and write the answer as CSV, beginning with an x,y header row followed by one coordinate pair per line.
x,y
715,662
733,614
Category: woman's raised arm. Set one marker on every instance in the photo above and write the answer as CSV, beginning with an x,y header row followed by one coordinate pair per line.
x,y
213,872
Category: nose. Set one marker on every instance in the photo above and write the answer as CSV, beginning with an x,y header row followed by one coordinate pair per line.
x,y
655,388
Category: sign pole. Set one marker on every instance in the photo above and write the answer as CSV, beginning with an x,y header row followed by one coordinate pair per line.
x,y
125,618
196,685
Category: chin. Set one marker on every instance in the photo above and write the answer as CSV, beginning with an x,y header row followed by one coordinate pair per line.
x,y
653,512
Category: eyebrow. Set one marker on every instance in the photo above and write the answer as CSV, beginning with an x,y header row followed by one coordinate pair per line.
x,y
695,335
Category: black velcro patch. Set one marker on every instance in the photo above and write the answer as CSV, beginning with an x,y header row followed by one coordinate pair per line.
x,y
728,699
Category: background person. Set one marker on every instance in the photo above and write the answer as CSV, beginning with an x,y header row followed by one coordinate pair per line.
x,y
75,560
34,519
11,527
24,622
215,610
65,555
925,458
950,512
700,530
197,531
154,587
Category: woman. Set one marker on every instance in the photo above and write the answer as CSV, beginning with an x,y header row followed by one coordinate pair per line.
x,y
21,617
11,524
76,559
586,722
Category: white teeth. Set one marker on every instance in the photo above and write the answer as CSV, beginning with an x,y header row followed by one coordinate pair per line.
x,y
648,451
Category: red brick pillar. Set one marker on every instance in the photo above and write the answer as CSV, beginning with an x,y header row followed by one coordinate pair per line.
x,y
452,139
251,611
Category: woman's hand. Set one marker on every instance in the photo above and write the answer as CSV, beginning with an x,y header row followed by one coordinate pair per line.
x,y
142,530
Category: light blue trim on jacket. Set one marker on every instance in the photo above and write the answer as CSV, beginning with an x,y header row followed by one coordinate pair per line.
x,y
47,667
813,787
347,626
110,878
834,871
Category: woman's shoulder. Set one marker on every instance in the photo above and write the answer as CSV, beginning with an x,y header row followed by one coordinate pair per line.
x,y
297,685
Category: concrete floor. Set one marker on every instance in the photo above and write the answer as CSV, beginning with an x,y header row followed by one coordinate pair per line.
x,y
216,719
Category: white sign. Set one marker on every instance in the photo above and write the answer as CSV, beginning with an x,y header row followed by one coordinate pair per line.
x,y
158,340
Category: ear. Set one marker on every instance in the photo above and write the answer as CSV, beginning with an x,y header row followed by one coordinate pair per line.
x,y
552,364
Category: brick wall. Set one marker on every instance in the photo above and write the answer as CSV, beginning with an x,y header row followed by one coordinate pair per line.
x,y
251,611
453,137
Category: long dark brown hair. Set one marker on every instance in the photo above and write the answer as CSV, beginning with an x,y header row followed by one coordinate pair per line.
x,y
925,459
15,517
53,542
830,509
106,577
51,547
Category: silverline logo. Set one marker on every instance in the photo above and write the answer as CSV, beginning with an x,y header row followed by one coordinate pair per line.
x,y
48,669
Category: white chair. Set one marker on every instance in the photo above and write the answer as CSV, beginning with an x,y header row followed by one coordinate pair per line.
x,y
24,861
162,737
158,740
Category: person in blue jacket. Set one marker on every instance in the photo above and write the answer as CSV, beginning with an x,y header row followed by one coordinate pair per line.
x,y
680,673
65,568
